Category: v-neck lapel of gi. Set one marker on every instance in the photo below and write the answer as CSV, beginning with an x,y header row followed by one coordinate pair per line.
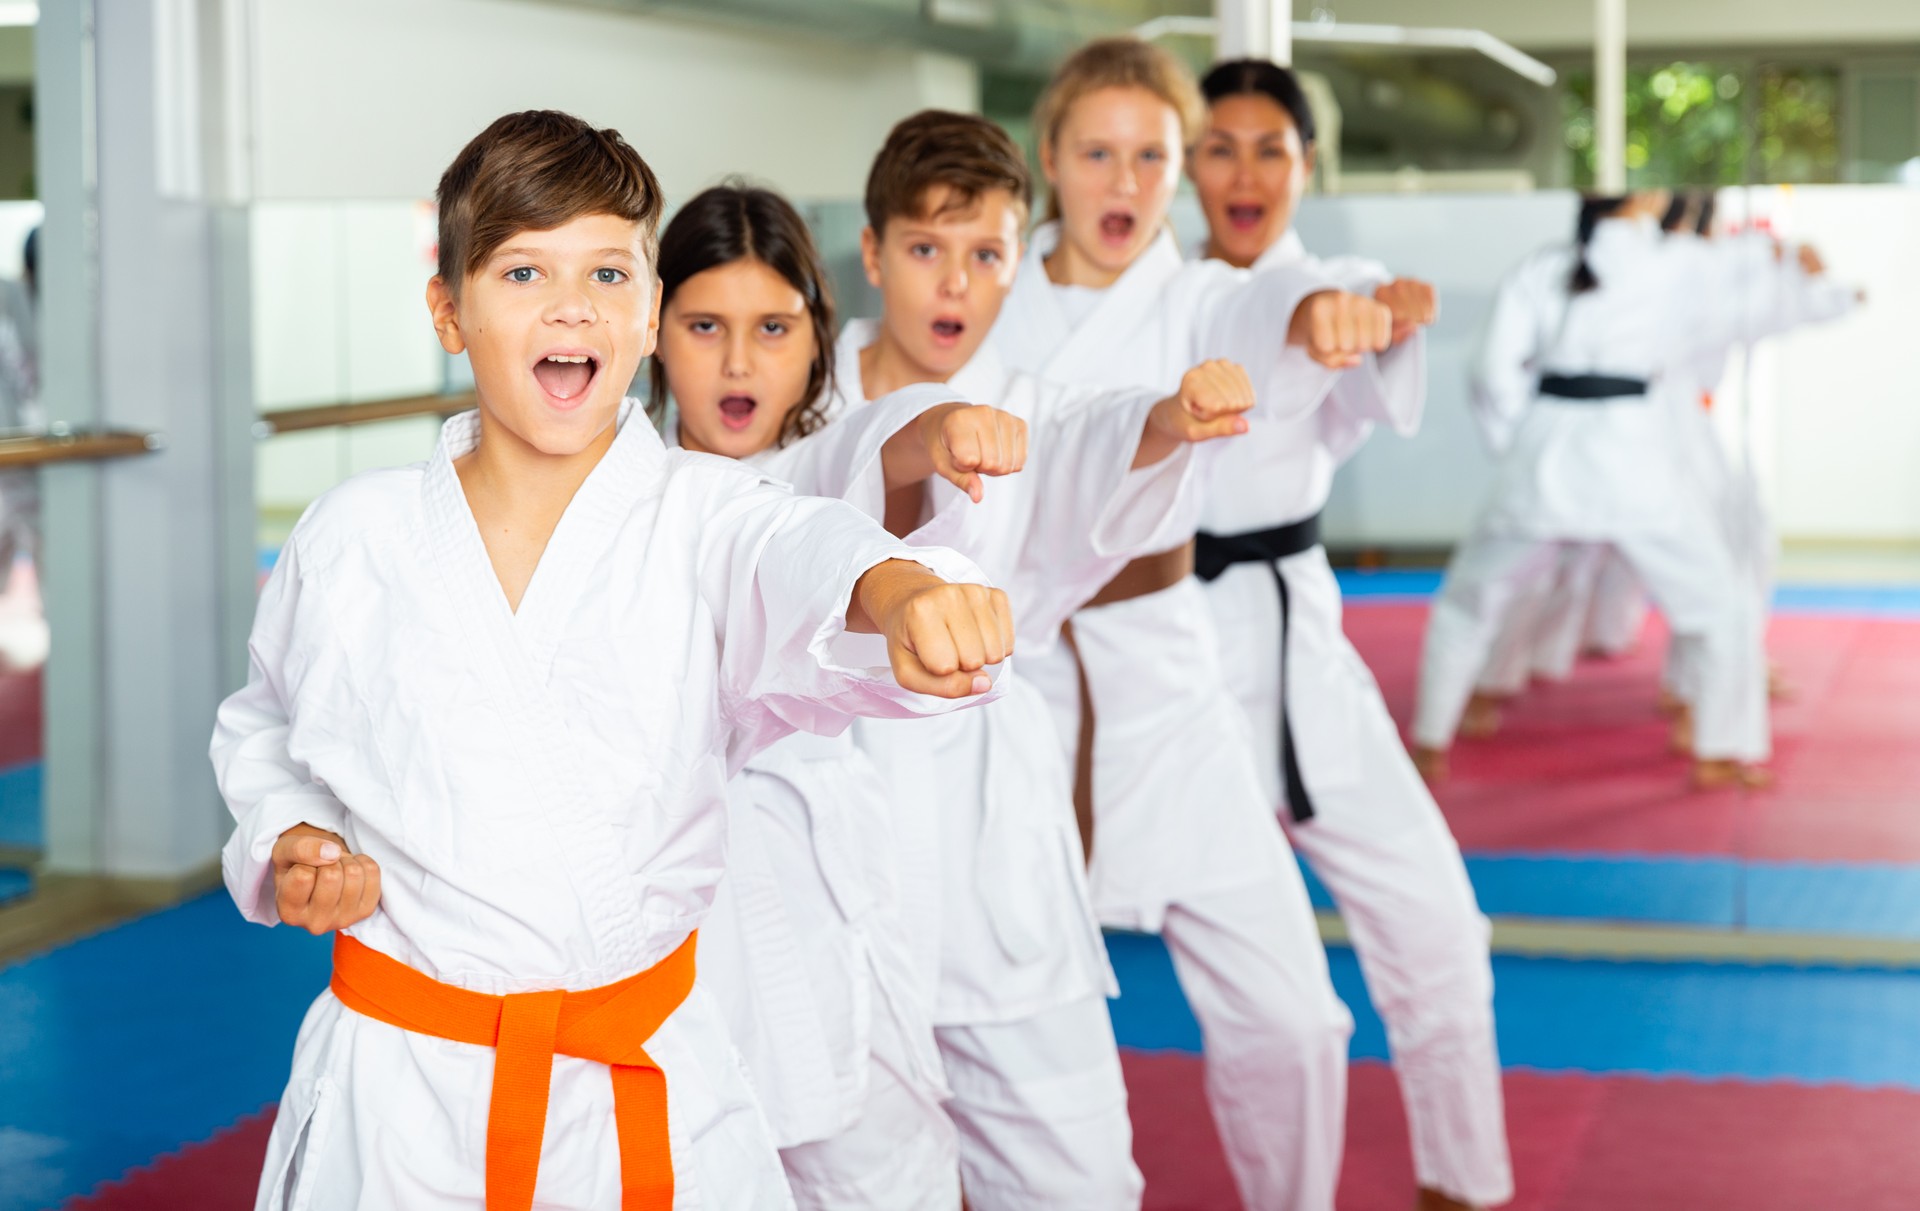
x,y
1122,308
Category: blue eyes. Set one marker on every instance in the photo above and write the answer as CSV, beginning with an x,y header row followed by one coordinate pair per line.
x,y
605,276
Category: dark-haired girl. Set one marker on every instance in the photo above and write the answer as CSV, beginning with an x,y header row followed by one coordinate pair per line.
x,y
808,948
1332,758
1577,339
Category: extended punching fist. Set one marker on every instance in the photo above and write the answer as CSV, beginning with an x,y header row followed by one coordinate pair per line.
x,y
1211,402
1413,304
967,441
940,637
1339,329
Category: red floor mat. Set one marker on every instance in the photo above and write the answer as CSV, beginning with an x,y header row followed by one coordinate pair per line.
x,y
1582,766
220,1174
1580,1143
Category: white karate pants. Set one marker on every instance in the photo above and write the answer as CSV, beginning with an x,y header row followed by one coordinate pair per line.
x,y
901,1154
1382,848
1041,1110
1275,1039
1688,570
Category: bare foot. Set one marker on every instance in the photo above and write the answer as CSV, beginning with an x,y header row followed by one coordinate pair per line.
x,y
1432,1200
1680,736
1482,716
1431,762
1779,689
1713,775
1671,704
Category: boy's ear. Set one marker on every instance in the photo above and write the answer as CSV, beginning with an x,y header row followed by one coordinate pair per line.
x,y
652,340
870,256
446,319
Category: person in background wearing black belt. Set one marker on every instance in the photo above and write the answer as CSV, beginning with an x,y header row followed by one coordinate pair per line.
x,y
1333,760
1577,337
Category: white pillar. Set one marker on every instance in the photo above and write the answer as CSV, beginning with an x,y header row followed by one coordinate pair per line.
x,y
1610,95
149,563
1257,29
63,94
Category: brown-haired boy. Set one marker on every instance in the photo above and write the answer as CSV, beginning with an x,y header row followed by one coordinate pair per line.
x,y
1020,998
493,703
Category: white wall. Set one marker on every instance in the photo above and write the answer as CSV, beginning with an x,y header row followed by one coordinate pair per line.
x,y
1835,409
370,98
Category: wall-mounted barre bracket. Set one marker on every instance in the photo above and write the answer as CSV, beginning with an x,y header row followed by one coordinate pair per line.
x,y
1343,33
61,444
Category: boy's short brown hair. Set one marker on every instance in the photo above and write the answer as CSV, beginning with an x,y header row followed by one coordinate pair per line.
x,y
535,171
967,154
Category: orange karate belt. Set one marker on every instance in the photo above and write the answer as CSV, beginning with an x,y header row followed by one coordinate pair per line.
x,y
609,1025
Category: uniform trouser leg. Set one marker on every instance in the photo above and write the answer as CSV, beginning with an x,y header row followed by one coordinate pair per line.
x,y
1511,661
1487,573
1253,969
1691,574
1381,846
1619,610
1040,1107
901,1154
1571,603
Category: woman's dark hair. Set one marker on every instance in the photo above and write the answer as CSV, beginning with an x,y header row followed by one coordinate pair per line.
x,y
1679,211
740,222
1703,218
1593,208
1245,77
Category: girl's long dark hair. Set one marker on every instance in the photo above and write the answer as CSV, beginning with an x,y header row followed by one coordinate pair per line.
x,y
1593,208
740,222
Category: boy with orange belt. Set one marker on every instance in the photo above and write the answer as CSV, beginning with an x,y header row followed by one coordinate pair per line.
x,y
493,704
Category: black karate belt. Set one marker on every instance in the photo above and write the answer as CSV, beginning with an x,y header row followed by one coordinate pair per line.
x,y
1214,554
1590,386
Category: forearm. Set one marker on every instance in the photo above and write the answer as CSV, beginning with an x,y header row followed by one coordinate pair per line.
x,y
879,592
905,459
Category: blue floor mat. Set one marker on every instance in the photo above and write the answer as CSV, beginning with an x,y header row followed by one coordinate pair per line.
x,y
1855,898
14,884
20,816
1709,1021
126,1045
1873,600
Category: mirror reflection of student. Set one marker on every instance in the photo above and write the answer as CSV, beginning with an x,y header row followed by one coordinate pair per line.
x,y
23,629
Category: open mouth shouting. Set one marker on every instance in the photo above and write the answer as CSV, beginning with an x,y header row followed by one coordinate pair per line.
x,y
1116,228
566,375
947,331
736,411
1245,216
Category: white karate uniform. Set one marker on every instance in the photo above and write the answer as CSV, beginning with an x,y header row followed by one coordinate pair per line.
x,y
1375,837
807,949
1186,843
542,788
1021,977
1604,471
